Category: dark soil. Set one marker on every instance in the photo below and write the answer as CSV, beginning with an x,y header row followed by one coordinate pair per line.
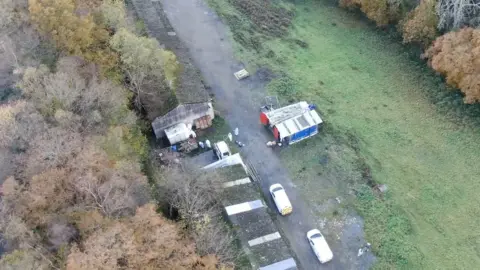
x,y
267,17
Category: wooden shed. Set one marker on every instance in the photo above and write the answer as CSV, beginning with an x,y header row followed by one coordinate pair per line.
x,y
193,108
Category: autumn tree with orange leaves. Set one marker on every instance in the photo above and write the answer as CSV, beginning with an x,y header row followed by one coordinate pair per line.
x,y
381,11
420,25
456,55
73,30
145,241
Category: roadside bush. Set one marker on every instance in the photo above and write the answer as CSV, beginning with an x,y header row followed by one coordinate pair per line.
x,y
457,55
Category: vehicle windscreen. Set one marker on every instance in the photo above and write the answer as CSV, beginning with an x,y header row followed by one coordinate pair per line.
x,y
317,235
276,189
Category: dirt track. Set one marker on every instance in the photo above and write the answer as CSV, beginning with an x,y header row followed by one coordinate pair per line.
x,y
206,38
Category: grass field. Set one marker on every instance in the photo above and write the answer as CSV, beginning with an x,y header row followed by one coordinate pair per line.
x,y
388,120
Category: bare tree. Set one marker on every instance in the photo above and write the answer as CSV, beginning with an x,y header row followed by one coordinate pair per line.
x,y
60,233
116,191
214,237
19,123
17,38
192,192
53,148
52,91
453,14
25,259
112,198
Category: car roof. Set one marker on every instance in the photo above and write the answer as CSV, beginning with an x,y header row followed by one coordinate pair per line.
x,y
274,186
222,146
282,198
321,246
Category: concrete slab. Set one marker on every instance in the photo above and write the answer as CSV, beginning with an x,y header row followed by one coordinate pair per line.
x,y
264,239
240,193
271,252
243,207
253,224
237,182
288,264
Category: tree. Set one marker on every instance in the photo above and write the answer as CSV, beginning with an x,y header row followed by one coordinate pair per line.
x,y
48,194
152,71
145,241
19,123
77,91
195,193
58,20
50,92
51,149
114,188
381,11
457,56
73,32
114,14
7,123
24,259
192,192
144,55
421,23
454,14
13,15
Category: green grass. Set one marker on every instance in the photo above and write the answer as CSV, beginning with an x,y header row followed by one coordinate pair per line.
x,y
388,115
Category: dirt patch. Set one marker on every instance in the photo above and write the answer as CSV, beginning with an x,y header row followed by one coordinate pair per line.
x,y
267,17
300,43
265,74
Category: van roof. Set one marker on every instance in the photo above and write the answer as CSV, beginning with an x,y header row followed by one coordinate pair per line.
x,y
222,146
323,250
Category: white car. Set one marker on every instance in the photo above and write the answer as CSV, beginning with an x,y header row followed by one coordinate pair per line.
x,y
319,246
221,150
281,199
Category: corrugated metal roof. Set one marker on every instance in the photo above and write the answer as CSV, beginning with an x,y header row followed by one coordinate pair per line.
x,y
291,126
177,115
287,112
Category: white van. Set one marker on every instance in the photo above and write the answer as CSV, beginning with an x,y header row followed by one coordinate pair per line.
x,y
319,246
281,199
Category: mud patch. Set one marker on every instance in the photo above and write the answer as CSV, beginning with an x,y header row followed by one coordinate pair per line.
x,y
300,43
266,17
265,75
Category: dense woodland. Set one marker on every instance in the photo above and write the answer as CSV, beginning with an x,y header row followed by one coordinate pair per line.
x,y
447,29
77,196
